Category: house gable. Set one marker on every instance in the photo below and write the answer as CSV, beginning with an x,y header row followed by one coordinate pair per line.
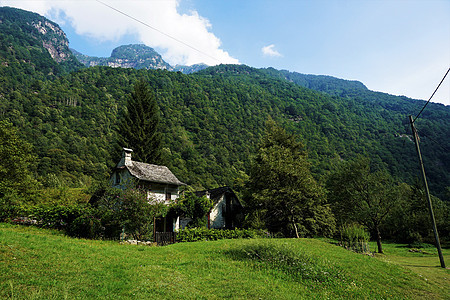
x,y
159,181
227,209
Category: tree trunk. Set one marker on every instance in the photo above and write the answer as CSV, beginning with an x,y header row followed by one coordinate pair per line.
x,y
380,248
295,227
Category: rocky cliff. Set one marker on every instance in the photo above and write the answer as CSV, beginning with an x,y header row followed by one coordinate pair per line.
x,y
49,33
35,31
135,56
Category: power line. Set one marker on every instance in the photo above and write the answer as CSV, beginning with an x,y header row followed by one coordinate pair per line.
x,y
157,30
436,142
432,95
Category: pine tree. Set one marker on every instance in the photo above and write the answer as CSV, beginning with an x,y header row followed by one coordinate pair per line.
x,y
138,128
282,190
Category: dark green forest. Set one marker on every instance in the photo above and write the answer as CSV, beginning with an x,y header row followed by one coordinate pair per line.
x,y
211,120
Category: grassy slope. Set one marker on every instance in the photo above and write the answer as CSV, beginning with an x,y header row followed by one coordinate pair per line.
x,y
42,264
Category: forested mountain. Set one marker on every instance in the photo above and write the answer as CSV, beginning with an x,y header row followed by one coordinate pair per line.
x,y
211,120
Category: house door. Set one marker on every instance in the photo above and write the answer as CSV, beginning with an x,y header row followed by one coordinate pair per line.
x,y
163,224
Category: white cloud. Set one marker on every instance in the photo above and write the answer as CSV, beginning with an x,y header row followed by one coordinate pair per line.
x,y
270,51
185,38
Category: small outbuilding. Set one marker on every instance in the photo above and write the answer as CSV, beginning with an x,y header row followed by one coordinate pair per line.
x,y
227,212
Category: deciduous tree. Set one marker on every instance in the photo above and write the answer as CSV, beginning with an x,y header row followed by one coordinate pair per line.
x,y
15,161
282,190
359,194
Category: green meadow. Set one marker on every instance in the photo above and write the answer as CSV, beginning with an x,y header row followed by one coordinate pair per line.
x,y
45,264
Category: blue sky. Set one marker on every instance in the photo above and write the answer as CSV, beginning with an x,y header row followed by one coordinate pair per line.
x,y
401,47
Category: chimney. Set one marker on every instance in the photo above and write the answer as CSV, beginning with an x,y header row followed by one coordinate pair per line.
x,y
126,157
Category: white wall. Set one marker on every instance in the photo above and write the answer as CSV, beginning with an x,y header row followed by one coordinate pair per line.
x,y
217,214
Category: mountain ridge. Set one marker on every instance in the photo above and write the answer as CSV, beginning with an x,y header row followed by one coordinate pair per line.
x,y
141,55
136,56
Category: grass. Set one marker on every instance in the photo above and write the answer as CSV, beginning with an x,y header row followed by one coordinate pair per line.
x,y
424,262
44,264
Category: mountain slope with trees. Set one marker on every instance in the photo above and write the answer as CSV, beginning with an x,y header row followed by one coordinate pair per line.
x,y
211,121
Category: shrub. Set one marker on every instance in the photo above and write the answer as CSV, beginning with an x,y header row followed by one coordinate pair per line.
x,y
9,208
205,234
130,209
56,217
355,237
86,226
193,207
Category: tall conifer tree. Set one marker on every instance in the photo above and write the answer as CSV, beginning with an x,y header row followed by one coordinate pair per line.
x,y
138,128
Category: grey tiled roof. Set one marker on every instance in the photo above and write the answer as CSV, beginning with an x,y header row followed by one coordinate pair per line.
x,y
153,173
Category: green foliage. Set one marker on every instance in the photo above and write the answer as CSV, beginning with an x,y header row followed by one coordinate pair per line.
x,y
283,189
16,161
138,128
410,221
52,216
87,225
354,237
205,234
130,209
211,121
9,207
106,217
359,194
191,206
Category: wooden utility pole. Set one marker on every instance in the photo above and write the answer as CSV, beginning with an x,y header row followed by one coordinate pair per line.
x,y
427,192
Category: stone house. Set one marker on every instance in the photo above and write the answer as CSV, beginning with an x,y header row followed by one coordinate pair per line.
x,y
160,183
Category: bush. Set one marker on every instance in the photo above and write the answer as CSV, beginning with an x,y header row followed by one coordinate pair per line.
x,y
355,237
205,234
191,206
130,209
55,217
86,226
9,208
68,218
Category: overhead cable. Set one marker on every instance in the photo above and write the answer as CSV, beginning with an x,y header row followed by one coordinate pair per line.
x,y
156,29
432,95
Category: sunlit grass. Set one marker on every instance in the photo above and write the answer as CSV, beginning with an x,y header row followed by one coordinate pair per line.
x,y
44,264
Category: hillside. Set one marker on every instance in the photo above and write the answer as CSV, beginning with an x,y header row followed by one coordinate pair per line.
x,y
211,120
43,264
25,35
